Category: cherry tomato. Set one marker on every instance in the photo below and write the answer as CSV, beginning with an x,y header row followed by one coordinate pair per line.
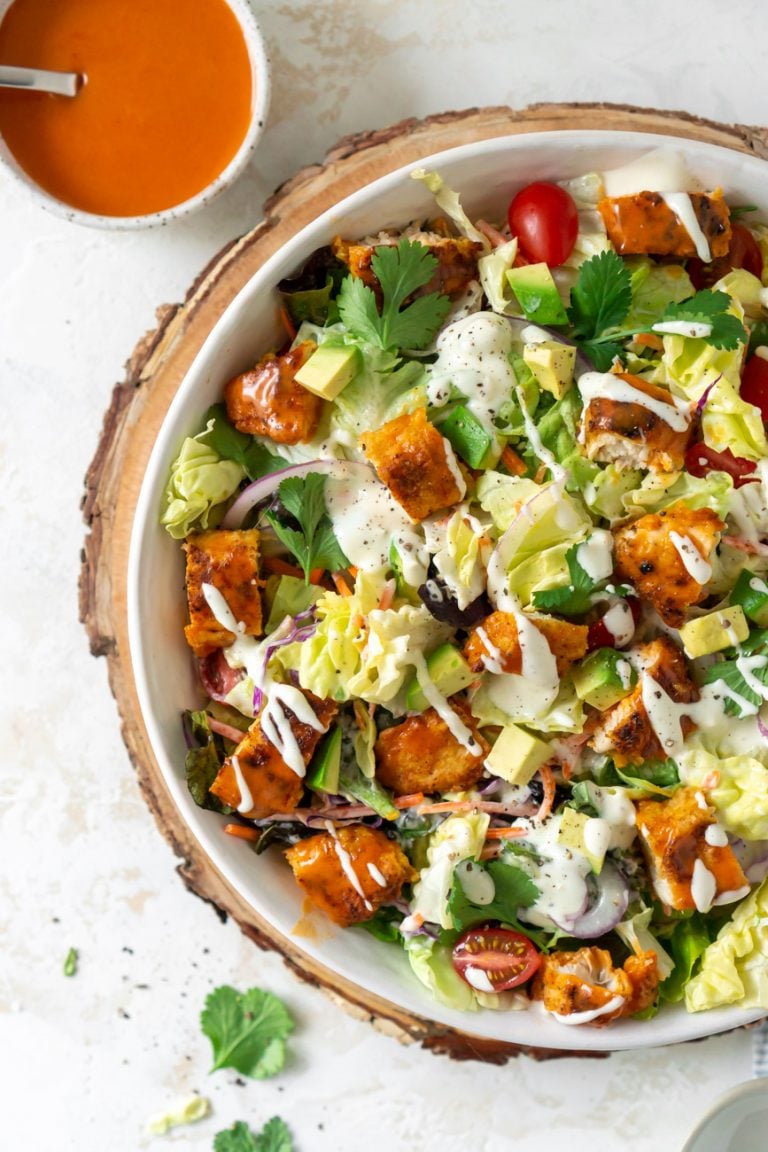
x,y
754,384
546,222
600,636
743,252
700,460
499,955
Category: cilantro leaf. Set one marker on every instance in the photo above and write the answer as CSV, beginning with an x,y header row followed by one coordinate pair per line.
x,y
602,353
514,889
708,307
401,270
247,1030
573,599
274,1137
231,444
314,543
601,297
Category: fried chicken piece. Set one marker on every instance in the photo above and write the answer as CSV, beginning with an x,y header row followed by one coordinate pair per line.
x,y
351,872
625,732
422,755
685,861
416,463
644,224
272,784
567,642
230,562
569,983
456,260
631,435
267,401
659,552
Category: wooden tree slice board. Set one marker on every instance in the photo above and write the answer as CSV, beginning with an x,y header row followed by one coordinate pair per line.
x,y
139,404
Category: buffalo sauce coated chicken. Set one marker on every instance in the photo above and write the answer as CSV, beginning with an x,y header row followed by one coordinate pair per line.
x,y
267,401
644,224
567,642
230,562
625,732
350,872
456,259
632,435
586,982
665,555
416,463
422,755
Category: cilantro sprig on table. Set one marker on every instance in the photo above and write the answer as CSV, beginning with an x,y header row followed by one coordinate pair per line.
x,y
274,1137
247,1030
601,300
313,543
401,270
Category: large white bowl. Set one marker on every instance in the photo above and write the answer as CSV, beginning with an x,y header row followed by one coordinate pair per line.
x,y
486,174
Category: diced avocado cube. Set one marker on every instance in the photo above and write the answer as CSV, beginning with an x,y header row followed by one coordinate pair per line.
x,y
329,369
326,764
448,671
751,592
404,590
468,438
586,834
537,294
517,755
604,678
715,631
552,364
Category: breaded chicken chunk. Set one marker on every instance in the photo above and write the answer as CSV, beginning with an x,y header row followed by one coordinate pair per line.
x,y
230,562
690,862
666,556
350,872
570,983
567,642
272,786
630,434
267,401
625,732
416,463
422,755
644,224
456,260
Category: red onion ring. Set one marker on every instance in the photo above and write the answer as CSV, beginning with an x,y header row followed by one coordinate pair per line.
x,y
266,486
607,910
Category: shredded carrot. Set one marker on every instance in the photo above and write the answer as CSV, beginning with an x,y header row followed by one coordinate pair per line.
x,y
566,769
548,780
387,595
316,575
447,806
278,567
353,571
288,323
505,833
512,462
241,832
409,801
490,851
540,474
342,587
649,340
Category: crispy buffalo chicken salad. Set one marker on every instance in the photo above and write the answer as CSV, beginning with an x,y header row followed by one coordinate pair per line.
x,y
477,581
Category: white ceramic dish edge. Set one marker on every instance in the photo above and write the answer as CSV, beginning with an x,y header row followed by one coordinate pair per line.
x,y
155,570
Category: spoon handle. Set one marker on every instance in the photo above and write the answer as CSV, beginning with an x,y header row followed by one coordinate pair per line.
x,y
39,80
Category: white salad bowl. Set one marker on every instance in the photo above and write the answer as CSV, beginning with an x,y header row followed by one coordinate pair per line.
x,y
486,174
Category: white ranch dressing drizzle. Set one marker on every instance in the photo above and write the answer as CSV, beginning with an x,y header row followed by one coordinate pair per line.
x,y
492,658
624,672
731,896
248,653
620,622
758,585
453,468
746,666
561,878
376,874
703,886
697,567
595,555
438,701
473,355
716,836
607,386
532,432
681,204
346,864
591,1014
697,331
245,803
529,693
367,519
597,836
478,979
478,884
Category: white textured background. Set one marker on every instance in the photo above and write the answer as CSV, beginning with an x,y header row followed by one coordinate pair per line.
x,y
84,1062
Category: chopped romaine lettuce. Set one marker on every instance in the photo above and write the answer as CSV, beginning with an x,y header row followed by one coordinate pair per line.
x,y
740,794
734,968
199,481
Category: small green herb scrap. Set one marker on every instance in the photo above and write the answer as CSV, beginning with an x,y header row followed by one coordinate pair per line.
x,y
400,270
314,544
274,1137
70,962
247,1030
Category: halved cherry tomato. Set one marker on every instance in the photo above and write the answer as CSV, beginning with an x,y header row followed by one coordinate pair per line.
x,y
700,460
496,955
546,222
754,384
743,252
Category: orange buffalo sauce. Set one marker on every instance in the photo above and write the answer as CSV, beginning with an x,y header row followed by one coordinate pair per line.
x,y
165,106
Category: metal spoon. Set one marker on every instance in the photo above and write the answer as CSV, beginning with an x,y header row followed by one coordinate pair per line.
x,y
40,80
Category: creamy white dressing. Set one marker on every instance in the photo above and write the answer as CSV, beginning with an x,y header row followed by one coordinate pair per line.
x,y
758,585
681,204
453,468
536,443
624,672
346,864
528,694
376,874
716,836
476,882
595,555
697,567
597,836
747,666
703,886
731,896
438,701
619,813
366,521
697,331
478,979
248,653
607,386
591,1014
620,622
561,878
473,355
245,803
700,799
492,657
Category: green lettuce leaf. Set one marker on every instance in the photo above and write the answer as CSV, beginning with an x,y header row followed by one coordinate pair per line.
x,y
431,964
734,968
492,269
659,490
457,838
689,940
741,794
654,286
199,481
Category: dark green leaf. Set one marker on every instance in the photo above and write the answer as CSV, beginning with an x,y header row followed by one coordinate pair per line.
x,y
247,1030
314,544
384,925
687,942
202,764
657,776
231,444
602,353
514,889
274,1137
601,297
573,599
728,672
312,304
581,799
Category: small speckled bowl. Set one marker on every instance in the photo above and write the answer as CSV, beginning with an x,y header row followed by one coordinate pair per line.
x,y
259,107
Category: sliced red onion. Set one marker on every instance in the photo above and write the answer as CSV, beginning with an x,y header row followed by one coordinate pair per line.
x,y
608,908
231,733
186,728
705,394
265,487
762,728
753,858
